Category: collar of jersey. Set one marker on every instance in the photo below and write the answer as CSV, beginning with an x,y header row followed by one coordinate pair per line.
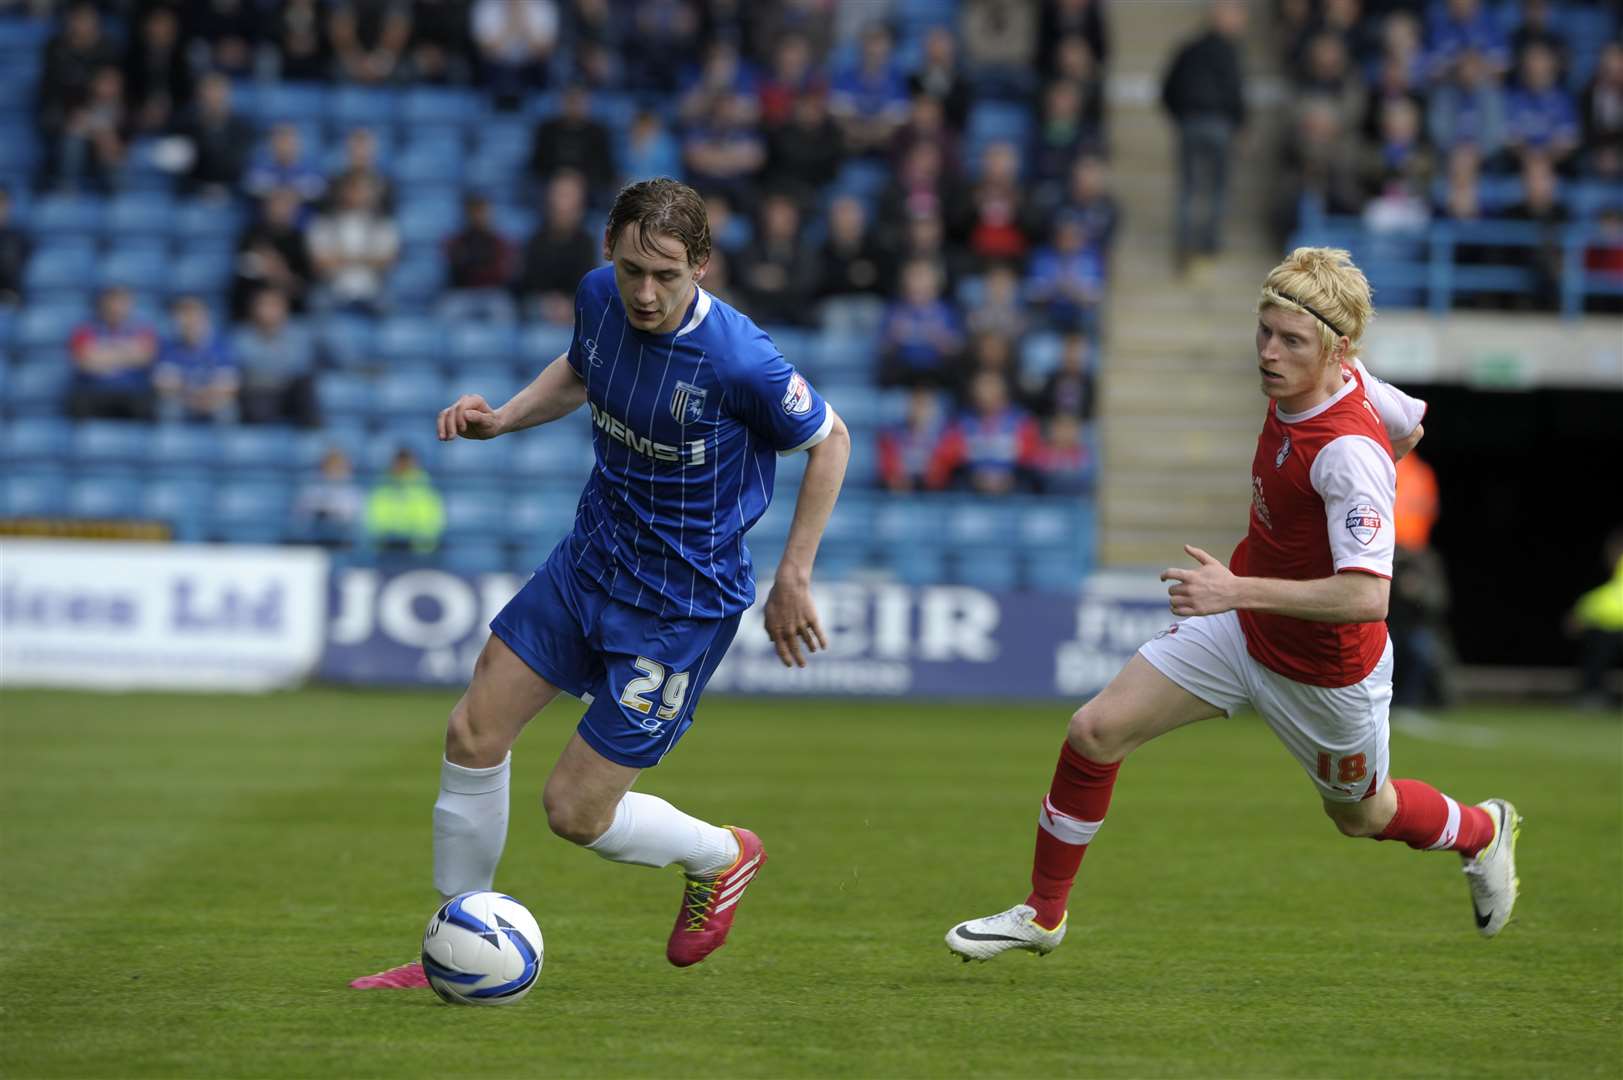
x,y
1308,414
701,308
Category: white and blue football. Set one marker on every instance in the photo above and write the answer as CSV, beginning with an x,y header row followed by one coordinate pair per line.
x,y
482,948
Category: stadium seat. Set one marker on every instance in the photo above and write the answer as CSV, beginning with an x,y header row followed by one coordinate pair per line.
x,y
356,106
110,442
507,138
843,357
481,342
39,385
144,213
430,107
408,339
105,494
182,503
987,567
916,565
251,511
197,221
495,384
344,395
556,452
981,522
203,273
541,343
416,282
268,448
1053,573
476,512
472,459
1050,523
346,340
544,511
309,447
32,492
904,522
432,160
134,267
67,214
176,448
67,264
428,220
35,439
472,557
306,103
412,393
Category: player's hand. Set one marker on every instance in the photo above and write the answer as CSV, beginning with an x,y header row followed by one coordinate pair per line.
x,y
791,620
1208,589
470,418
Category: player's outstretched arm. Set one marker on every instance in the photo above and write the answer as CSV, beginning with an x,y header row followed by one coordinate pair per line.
x,y
791,617
556,392
1210,589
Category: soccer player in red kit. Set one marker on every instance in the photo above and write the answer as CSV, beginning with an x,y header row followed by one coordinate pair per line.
x,y
1294,625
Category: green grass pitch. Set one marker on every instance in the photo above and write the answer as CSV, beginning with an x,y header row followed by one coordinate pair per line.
x,y
187,883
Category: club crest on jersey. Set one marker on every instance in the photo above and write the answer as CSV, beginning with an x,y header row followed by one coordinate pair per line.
x,y
1364,522
797,400
1284,452
687,403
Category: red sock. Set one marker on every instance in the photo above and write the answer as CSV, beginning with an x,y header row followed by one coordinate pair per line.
x,y
1071,814
1428,820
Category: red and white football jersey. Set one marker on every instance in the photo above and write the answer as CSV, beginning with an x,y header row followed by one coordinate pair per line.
x,y
1323,485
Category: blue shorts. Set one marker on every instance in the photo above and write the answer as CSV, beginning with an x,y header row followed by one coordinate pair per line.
x,y
640,674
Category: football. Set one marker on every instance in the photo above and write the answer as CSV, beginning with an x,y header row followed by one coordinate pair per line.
x,y
482,948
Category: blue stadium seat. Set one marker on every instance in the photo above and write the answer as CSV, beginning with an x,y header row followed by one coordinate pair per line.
x,y
140,267
481,342
355,106
250,510
842,357
857,403
110,442
409,339
39,385
204,273
265,448
430,160
44,325
472,459
534,515
346,340
182,503
412,393
979,521
496,178
428,107
476,511
1050,523
309,447
34,439
33,492
1040,354
198,221
105,494
63,264
67,214
494,384
556,452
472,557
540,344
177,448
916,565
1054,573
344,395
144,213
910,522
987,567
295,102
428,220
417,280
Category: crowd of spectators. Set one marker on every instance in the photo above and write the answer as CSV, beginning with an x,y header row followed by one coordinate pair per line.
x,y
984,214
1406,112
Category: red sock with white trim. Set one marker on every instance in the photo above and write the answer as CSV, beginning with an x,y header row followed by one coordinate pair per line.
x,y
1070,815
1428,820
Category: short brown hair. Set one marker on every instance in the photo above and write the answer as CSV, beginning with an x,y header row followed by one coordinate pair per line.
x,y
662,205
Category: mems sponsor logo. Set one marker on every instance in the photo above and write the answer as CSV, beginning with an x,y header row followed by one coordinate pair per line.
x,y
688,453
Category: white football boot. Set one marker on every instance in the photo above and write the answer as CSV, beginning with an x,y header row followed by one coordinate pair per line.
x,y
982,939
1491,872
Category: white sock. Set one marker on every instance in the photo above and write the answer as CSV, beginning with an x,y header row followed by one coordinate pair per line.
x,y
649,831
470,826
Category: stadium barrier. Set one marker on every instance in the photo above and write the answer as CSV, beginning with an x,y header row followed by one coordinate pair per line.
x,y
117,616
211,617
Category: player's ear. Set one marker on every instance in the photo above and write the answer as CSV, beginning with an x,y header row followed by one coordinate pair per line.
x,y
698,271
608,247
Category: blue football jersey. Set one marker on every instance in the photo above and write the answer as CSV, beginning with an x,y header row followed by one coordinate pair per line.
x,y
686,427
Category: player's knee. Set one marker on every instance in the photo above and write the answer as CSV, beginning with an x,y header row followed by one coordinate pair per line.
x,y
1352,819
1092,734
470,743
570,821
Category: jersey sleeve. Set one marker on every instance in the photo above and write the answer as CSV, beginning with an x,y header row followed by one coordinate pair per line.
x,y
1355,477
777,403
1398,411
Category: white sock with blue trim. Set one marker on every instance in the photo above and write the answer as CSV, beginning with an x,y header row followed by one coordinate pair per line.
x,y
470,826
648,831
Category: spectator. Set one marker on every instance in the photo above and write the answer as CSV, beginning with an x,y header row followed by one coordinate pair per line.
x,y
1597,620
479,265
718,278
776,273
649,149
1359,35
1066,279
1418,614
72,58
297,36
361,159
793,79
282,164
404,513
1064,19
1541,205
1541,119
906,450
273,253
1204,93
924,236
1458,26
573,140
515,41
595,32
729,231
727,153
993,448
441,45
327,510
919,187
941,77
990,351
221,140
721,75
1068,390
1602,113
278,365
1063,134
559,254
1000,45
196,376
804,155
1001,308
922,338
14,250
1399,167
998,223
927,123
1468,110
1328,74
851,263
1087,195
870,98
93,145
369,38
1074,63
112,362
1603,259
353,248
157,78
1064,464
659,34
1320,165
225,34
1536,29
1395,80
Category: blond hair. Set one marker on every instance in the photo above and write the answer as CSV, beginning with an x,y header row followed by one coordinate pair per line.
x,y
1322,283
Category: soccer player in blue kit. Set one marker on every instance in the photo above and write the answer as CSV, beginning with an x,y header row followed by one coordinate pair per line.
x,y
690,403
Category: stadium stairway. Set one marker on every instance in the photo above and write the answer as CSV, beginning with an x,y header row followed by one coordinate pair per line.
x,y
1179,404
